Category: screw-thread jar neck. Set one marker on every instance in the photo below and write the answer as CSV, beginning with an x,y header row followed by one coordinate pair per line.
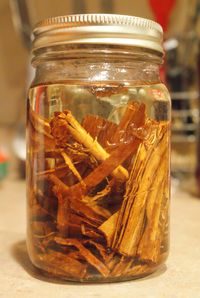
x,y
97,63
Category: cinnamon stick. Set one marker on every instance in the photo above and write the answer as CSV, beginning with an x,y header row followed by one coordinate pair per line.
x,y
71,166
40,125
63,213
121,267
81,136
90,258
62,265
92,233
108,228
58,171
100,248
131,219
100,129
133,118
149,246
150,243
38,140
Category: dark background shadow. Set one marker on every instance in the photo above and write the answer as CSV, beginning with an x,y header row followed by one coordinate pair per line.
x,y
20,255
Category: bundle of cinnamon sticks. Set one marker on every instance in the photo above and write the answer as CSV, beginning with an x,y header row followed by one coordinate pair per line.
x,y
98,194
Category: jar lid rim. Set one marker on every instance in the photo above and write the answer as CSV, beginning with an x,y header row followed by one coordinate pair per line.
x,y
100,29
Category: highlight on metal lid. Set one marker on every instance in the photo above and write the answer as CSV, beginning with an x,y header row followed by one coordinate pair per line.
x,y
98,29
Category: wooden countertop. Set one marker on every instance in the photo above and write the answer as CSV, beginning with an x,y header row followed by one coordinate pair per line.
x,y
180,277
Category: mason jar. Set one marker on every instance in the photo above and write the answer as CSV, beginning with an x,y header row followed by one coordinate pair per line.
x,y
98,134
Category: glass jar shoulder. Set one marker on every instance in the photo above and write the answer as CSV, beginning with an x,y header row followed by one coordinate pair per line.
x,y
107,99
157,100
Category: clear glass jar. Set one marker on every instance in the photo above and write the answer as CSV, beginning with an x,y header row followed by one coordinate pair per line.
x,y
98,134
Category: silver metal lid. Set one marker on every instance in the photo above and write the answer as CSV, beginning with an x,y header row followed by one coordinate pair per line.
x,y
98,29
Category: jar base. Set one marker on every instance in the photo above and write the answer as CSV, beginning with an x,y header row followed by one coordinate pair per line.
x,y
93,279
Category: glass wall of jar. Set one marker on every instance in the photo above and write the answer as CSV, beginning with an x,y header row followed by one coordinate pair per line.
x,y
98,134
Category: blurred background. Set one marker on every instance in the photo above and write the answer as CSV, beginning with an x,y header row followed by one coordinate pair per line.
x,y
181,23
